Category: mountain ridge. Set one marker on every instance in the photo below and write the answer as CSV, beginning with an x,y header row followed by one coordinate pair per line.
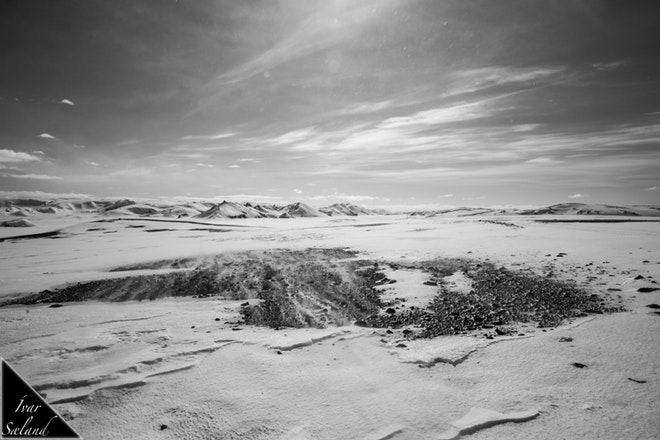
x,y
24,208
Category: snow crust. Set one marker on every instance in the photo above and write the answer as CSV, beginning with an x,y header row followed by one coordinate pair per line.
x,y
122,370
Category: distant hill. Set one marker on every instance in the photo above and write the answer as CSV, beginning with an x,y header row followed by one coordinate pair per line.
x,y
349,209
231,210
26,208
584,209
559,209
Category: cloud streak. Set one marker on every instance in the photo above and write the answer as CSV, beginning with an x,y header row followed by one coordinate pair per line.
x,y
30,176
337,21
16,156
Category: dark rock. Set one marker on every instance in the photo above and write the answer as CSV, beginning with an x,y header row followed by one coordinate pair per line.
x,y
565,339
639,277
647,289
360,324
578,365
653,306
390,311
163,427
245,304
55,306
217,319
401,345
636,380
279,352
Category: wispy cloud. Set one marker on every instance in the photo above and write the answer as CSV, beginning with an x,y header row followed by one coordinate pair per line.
x,y
234,166
67,102
42,195
204,165
473,80
294,136
16,156
441,115
368,107
543,161
337,21
343,196
652,188
30,176
577,196
613,65
46,136
256,198
210,137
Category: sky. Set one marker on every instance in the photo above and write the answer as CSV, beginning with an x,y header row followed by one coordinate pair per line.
x,y
374,102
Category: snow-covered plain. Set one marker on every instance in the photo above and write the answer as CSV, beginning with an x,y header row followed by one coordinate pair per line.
x,y
181,368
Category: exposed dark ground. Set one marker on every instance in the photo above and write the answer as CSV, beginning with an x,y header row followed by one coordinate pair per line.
x,y
325,287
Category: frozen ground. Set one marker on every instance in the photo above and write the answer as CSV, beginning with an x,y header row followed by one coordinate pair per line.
x,y
184,367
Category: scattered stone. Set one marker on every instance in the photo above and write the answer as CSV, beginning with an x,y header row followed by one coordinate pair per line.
x,y
401,345
565,339
653,306
502,331
55,306
648,289
217,319
279,352
235,329
360,323
578,365
388,331
561,254
646,261
163,427
390,311
639,277
192,326
636,380
245,304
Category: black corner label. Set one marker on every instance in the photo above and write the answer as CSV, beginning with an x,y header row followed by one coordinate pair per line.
x,y
25,414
